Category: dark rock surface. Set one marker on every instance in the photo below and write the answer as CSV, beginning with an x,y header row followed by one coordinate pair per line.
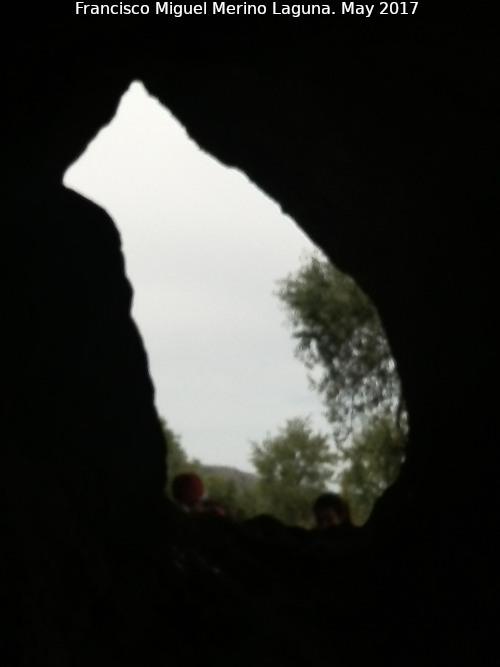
x,y
380,137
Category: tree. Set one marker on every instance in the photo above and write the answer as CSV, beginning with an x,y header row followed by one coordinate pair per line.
x,y
177,459
375,456
340,337
293,468
238,500
341,340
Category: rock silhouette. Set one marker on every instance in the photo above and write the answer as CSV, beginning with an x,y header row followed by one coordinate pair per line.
x,y
380,138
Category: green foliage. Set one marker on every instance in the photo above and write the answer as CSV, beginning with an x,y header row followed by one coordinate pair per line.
x,y
375,456
177,459
293,468
340,339
339,336
239,500
221,489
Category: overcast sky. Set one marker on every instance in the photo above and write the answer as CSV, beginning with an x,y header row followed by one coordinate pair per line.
x,y
203,249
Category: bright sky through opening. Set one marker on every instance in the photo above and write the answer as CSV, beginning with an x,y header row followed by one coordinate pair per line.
x,y
203,249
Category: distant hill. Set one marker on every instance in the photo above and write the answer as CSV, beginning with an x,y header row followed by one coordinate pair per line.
x,y
242,480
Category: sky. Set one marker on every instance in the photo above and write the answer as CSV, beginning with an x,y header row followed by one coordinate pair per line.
x,y
203,250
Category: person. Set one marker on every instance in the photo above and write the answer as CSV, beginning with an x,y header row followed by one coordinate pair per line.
x,y
330,509
188,491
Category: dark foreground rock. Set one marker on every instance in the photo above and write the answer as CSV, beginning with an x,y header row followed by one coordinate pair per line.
x,y
380,138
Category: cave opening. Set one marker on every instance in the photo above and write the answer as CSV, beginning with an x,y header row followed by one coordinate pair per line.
x,y
204,249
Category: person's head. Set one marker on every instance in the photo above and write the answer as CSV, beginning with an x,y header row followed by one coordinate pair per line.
x,y
330,509
188,490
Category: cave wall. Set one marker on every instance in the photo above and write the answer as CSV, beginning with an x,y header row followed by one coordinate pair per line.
x,y
378,138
